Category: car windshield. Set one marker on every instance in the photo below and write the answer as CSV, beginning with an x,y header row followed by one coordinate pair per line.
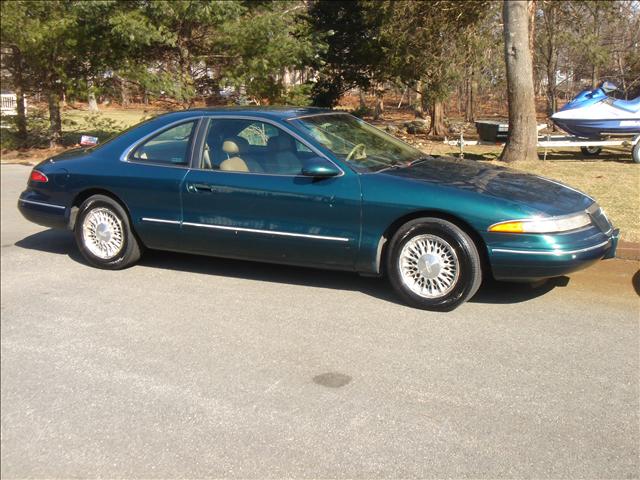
x,y
364,147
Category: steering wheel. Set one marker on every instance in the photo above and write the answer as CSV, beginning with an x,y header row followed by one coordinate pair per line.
x,y
360,148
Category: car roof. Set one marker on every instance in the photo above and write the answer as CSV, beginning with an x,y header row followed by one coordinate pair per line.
x,y
275,113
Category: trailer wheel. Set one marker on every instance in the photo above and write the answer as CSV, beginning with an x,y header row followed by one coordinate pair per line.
x,y
635,153
591,151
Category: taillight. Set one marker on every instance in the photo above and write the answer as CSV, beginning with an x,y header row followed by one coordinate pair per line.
x,y
39,177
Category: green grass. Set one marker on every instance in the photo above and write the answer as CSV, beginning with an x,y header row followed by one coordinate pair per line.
x,y
75,123
125,118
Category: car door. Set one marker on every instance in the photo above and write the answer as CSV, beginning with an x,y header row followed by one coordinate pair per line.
x,y
248,199
151,178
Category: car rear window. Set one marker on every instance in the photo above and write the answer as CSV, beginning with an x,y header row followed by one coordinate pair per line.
x,y
170,146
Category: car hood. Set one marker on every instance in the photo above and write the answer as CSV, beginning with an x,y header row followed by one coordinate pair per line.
x,y
542,194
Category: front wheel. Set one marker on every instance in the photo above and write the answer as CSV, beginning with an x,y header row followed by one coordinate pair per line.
x,y
104,236
433,264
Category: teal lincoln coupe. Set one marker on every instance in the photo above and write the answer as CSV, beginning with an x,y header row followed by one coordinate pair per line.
x,y
314,187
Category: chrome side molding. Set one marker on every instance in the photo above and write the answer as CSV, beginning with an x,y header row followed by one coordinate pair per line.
x,y
43,204
244,229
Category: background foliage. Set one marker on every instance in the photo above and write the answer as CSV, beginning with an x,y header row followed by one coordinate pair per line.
x,y
187,52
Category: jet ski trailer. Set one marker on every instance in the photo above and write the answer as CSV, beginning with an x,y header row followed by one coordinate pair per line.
x,y
589,147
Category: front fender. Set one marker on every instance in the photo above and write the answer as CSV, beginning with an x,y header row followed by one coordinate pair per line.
x,y
387,200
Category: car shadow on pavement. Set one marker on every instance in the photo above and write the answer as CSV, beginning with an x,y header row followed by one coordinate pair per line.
x,y
61,242
52,241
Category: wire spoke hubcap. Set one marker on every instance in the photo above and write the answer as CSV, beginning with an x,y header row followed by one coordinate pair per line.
x,y
102,233
429,266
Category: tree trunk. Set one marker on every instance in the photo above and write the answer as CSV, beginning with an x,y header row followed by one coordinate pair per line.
x,y
93,103
379,110
91,96
55,119
124,97
472,86
552,101
551,59
418,106
523,136
438,126
596,34
405,91
188,90
124,92
363,100
622,76
21,118
531,11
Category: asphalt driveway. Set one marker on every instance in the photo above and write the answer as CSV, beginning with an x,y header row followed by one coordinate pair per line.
x,y
186,366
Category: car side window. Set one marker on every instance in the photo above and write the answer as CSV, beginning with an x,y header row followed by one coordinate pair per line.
x,y
170,146
251,146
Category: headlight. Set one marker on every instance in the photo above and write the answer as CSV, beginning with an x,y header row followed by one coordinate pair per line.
x,y
543,224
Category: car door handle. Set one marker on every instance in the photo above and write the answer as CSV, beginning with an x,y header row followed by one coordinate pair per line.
x,y
199,188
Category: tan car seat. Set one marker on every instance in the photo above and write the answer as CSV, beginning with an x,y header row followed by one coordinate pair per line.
x,y
233,148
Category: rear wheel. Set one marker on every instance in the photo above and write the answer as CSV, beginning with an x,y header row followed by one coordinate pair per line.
x,y
635,152
591,151
103,234
433,264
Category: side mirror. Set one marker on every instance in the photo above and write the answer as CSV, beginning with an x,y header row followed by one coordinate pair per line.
x,y
608,87
319,168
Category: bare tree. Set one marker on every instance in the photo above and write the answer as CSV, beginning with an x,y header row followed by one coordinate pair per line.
x,y
522,141
549,41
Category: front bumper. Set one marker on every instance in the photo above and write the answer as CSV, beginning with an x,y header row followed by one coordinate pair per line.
x,y
566,255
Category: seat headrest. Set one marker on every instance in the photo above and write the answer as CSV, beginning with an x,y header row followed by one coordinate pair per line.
x,y
235,145
280,142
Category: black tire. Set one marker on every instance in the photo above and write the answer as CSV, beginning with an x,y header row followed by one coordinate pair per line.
x,y
591,151
635,153
469,276
130,249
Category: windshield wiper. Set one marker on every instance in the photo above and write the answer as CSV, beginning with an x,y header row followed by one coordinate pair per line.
x,y
418,160
393,166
